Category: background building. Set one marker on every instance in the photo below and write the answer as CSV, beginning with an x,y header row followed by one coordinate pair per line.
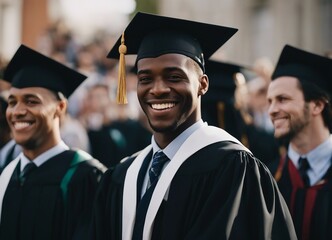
x,y
265,26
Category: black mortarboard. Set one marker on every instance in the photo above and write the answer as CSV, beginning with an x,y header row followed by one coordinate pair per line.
x,y
221,80
218,103
29,68
149,35
306,66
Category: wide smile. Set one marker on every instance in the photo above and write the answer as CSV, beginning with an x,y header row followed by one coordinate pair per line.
x,y
21,125
279,121
162,106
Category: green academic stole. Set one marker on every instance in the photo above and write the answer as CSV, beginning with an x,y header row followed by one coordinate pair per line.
x,y
80,156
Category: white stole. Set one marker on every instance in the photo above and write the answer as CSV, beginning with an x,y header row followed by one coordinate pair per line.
x,y
5,178
201,138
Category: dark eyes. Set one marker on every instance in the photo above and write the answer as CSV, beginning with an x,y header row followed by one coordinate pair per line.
x,y
29,102
280,99
174,77
144,79
171,77
11,103
32,102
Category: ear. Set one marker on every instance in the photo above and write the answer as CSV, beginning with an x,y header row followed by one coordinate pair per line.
x,y
61,108
203,85
318,107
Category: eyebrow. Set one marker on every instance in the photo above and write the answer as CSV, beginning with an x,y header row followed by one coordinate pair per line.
x,y
167,69
29,95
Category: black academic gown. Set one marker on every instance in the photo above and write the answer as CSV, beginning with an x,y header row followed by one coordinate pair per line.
x,y
122,138
311,207
36,210
202,199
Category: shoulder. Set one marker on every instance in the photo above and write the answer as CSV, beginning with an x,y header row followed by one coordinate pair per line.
x,y
83,160
119,171
218,156
225,148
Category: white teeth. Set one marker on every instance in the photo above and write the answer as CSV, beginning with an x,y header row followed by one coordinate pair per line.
x,y
21,125
162,106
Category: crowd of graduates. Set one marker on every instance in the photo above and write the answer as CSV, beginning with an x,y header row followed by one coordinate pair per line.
x,y
98,183
94,118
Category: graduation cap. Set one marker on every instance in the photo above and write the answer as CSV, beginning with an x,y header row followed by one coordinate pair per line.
x,y
29,68
218,103
149,36
221,80
305,66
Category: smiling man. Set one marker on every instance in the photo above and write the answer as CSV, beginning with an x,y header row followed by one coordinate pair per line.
x,y
193,181
299,106
48,190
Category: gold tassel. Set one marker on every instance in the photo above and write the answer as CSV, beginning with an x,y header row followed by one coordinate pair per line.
x,y
122,91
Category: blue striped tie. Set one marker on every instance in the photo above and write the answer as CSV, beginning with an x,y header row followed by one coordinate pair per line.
x,y
158,161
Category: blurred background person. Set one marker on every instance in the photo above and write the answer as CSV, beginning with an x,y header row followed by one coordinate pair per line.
x,y
84,63
226,105
8,147
9,150
257,82
73,133
300,108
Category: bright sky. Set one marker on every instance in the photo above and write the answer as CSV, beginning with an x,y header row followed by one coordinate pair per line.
x,y
86,16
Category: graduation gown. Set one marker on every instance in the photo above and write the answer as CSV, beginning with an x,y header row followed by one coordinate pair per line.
x,y
122,139
219,192
36,210
311,207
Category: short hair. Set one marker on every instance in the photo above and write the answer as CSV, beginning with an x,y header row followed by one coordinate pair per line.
x,y
312,92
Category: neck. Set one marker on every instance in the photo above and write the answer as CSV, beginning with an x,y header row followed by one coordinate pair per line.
x,y
308,140
31,154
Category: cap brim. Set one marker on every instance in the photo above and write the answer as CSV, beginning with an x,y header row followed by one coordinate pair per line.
x,y
304,65
29,68
210,36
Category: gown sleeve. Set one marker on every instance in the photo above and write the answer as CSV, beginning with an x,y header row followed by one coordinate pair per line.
x,y
244,203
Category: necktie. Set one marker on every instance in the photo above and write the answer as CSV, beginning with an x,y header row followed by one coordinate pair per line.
x,y
303,169
158,161
26,170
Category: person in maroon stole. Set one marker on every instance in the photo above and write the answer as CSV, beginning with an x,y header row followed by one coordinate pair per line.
x,y
300,109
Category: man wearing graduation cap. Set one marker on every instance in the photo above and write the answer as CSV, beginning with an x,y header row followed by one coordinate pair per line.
x,y
48,190
221,107
193,181
299,106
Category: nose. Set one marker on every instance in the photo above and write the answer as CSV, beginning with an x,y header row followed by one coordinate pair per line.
x,y
159,87
272,108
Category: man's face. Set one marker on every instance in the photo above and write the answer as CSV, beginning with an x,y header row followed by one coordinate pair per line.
x,y
33,116
169,89
289,113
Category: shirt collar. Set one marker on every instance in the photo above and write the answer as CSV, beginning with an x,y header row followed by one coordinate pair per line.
x,y
171,149
42,158
318,158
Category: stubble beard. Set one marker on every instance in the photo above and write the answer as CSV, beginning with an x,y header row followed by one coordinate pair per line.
x,y
296,126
